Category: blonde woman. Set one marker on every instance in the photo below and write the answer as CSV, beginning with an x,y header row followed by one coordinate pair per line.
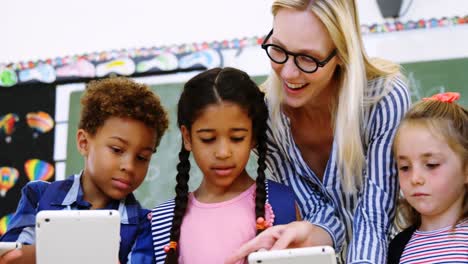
x,y
333,116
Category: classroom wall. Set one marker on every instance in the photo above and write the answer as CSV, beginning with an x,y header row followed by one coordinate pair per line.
x,y
50,28
426,9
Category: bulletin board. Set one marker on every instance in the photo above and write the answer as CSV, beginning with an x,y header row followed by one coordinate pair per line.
x,y
26,141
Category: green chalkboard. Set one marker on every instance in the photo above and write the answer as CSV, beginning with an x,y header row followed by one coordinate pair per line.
x,y
425,79
428,78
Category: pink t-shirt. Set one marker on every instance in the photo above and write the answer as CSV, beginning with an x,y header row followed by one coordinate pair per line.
x,y
212,232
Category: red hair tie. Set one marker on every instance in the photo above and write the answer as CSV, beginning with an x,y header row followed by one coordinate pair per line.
x,y
448,97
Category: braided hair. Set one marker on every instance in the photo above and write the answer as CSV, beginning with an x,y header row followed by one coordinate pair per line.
x,y
214,87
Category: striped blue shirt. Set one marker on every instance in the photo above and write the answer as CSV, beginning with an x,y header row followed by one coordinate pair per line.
x,y
359,223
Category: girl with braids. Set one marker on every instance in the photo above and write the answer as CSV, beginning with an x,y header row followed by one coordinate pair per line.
x,y
222,117
431,148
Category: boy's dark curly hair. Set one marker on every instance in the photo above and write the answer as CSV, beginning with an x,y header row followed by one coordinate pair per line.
x,y
125,98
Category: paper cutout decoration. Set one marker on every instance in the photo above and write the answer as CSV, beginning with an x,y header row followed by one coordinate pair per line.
x,y
7,125
4,221
80,68
7,77
209,58
43,73
163,62
123,66
8,179
40,122
37,169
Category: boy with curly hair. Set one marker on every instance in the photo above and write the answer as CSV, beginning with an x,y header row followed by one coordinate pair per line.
x,y
121,124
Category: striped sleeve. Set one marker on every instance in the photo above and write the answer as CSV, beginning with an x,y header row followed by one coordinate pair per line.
x,y
322,213
375,210
315,206
161,223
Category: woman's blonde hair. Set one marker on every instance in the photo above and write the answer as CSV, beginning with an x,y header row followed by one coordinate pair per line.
x,y
449,121
341,20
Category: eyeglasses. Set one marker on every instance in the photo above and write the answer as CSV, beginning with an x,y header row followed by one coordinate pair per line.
x,y
304,62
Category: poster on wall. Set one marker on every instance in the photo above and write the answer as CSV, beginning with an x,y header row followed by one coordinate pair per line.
x,y
26,141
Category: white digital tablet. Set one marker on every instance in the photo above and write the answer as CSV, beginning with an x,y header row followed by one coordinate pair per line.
x,y
307,255
7,246
77,236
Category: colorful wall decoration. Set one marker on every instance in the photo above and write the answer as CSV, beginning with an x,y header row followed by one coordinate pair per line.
x,y
155,60
26,141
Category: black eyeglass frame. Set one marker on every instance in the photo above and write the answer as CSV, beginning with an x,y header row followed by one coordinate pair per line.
x,y
295,55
